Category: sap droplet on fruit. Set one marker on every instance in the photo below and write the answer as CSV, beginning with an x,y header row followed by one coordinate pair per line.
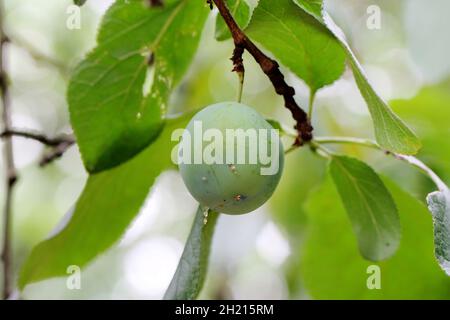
x,y
204,179
139,116
204,209
205,215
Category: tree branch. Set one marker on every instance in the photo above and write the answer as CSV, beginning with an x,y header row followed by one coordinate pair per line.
x,y
271,68
56,152
38,56
51,142
58,144
11,176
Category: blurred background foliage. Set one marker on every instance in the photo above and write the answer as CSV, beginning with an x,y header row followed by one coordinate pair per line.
x,y
300,245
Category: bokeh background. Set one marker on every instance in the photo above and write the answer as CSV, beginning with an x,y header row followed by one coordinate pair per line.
x,y
299,245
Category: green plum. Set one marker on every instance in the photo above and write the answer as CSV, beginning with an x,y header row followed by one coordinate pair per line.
x,y
230,158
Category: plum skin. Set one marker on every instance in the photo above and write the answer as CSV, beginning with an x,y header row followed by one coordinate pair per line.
x,y
230,188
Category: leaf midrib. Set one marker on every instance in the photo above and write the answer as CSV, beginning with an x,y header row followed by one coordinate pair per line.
x,y
167,24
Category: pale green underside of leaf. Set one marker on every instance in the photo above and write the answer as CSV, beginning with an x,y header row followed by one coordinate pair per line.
x,y
332,267
191,271
241,13
370,207
313,7
109,202
439,205
298,41
111,117
391,132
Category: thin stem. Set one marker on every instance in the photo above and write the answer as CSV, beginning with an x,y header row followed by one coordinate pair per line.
x,y
372,144
347,140
238,67
312,96
56,153
241,76
271,68
320,149
424,168
38,56
52,142
10,170
316,148
59,144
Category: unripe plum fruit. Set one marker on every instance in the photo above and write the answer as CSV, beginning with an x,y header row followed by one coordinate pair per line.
x,y
232,187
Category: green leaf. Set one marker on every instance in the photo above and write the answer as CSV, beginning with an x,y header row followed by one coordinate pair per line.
x,y
369,205
391,132
313,7
241,13
112,117
332,267
298,41
110,201
439,205
277,126
191,271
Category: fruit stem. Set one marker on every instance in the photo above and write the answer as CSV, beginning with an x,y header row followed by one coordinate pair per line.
x,y
241,76
271,69
205,216
312,96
